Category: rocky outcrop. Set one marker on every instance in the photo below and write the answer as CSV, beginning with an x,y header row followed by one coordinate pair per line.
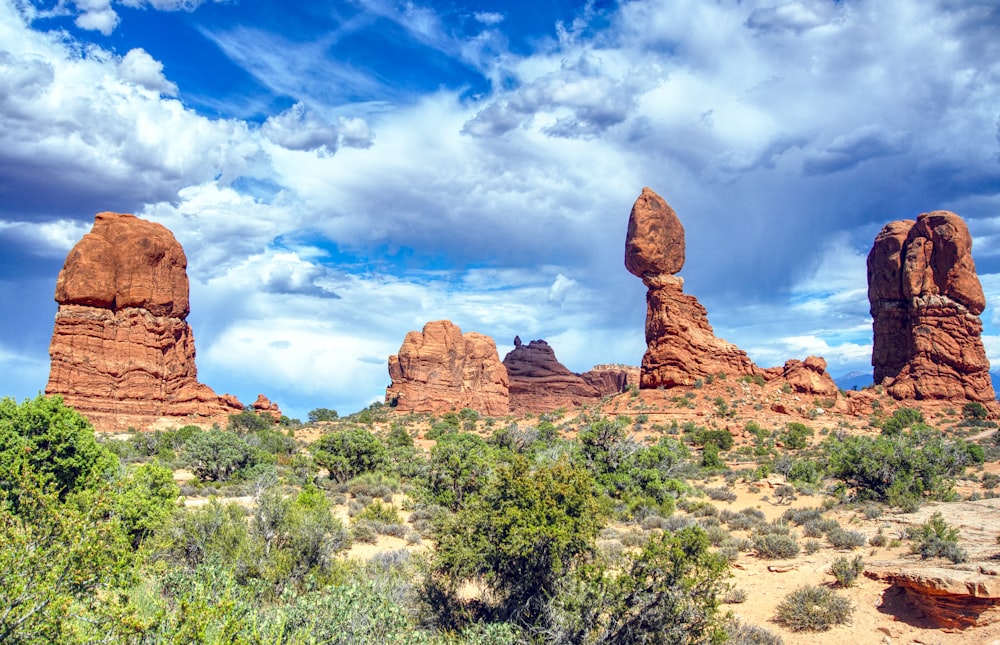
x,y
122,352
263,405
681,346
540,383
612,379
809,377
441,369
925,301
948,597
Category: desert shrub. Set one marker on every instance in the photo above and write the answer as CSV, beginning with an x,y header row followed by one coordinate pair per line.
x,y
796,436
460,463
720,494
218,455
805,470
879,539
249,421
819,527
902,419
935,538
378,512
742,634
322,414
846,570
901,469
840,538
813,608
55,441
744,520
349,453
773,546
734,596
811,546
800,516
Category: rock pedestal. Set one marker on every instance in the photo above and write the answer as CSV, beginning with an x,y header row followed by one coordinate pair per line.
x,y
122,352
925,301
681,346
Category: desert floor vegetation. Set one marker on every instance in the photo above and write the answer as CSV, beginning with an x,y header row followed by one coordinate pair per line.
x,y
581,526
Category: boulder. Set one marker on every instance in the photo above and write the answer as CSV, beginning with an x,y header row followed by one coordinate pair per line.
x,y
122,352
441,369
925,302
809,377
681,346
540,383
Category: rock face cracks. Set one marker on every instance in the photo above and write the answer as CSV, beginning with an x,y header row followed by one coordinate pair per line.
x,y
681,346
122,353
441,369
925,301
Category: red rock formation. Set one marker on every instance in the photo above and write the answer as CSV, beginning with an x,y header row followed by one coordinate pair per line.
x,y
441,369
540,383
263,405
122,353
949,597
809,377
925,301
681,345
612,379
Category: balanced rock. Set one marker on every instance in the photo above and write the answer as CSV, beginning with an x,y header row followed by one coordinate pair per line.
x,y
925,301
681,346
122,352
441,369
540,383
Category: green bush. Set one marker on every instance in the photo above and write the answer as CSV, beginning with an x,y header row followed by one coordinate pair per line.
x,y
772,546
846,571
54,441
813,609
796,436
348,453
218,455
843,539
322,414
935,538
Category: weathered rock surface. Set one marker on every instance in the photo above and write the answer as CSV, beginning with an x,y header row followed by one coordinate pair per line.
x,y
540,383
925,301
122,353
681,346
263,405
612,379
441,369
809,377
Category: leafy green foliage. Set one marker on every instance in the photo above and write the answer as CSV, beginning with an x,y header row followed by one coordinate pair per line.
x,y
249,421
796,436
144,499
846,570
218,455
59,550
348,453
666,593
459,465
901,469
935,538
902,419
322,414
519,535
812,608
54,441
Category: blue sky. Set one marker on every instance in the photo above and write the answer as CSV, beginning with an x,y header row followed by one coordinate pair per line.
x,y
340,173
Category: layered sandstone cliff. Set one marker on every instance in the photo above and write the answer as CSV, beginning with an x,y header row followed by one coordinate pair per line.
x,y
681,345
925,301
122,352
540,383
441,369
